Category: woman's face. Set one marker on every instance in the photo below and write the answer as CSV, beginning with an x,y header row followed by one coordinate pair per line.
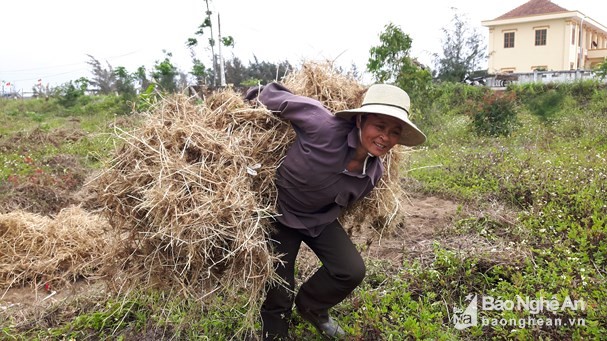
x,y
379,133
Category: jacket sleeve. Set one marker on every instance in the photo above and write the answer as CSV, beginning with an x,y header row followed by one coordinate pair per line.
x,y
253,92
306,114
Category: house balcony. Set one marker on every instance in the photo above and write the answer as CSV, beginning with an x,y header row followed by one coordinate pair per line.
x,y
596,56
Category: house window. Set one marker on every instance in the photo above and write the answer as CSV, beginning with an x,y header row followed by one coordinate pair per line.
x,y
508,40
540,37
573,35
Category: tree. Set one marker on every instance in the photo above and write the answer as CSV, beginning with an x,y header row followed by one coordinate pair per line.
x,y
462,51
202,74
256,72
165,73
199,70
141,76
103,79
390,62
125,83
68,94
601,70
236,71
353,72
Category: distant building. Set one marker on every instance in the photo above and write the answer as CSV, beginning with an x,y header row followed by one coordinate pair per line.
x,y
542,36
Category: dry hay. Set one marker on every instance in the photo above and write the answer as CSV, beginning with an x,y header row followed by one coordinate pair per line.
x,y
186,192
192,190
321,81
36,249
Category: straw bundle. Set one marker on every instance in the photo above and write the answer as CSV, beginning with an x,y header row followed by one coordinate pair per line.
x,y
37,249
192,189
321,81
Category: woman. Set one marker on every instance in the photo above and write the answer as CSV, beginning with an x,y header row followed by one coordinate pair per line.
x,y
333,162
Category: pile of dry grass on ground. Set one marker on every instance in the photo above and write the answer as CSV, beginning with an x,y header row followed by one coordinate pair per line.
x,y
36,250
192,189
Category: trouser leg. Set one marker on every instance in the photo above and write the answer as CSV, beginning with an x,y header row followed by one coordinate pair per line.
x,y
342,270
277,307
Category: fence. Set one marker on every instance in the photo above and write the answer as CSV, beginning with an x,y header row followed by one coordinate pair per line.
x,y
503,80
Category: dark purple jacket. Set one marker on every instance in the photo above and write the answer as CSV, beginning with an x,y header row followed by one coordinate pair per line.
x,y
313,183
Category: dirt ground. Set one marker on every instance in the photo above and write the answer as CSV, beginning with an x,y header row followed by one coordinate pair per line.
x,y
426,218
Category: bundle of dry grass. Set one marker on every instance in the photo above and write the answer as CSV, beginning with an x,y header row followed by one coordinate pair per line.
x,y
321,81
192,190
36,249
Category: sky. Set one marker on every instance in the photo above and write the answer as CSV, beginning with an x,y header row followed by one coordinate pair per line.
x,y
50,41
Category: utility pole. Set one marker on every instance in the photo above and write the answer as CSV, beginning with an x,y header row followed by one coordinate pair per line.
x,y
221,66
212,41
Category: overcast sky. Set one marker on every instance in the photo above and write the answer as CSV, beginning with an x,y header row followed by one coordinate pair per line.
x,y
50,40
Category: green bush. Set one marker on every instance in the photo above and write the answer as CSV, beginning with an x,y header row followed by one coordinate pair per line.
x,y
495,115
583,91
601,70
68,94
546,105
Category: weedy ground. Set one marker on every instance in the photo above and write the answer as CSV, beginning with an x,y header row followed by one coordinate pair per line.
x,y
521,213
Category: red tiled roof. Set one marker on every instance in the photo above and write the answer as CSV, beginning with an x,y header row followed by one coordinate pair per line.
x,y
533,7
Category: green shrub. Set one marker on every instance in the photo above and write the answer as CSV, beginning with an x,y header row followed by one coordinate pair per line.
x,y
495,115
583,91
601,70
68,94
546,105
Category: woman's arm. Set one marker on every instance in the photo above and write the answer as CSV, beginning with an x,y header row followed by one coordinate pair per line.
x,y
304,113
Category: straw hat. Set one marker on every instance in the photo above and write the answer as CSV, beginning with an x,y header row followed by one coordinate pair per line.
x,y
393,101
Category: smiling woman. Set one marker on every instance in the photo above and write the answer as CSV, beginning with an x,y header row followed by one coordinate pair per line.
x,y
332,164
378,133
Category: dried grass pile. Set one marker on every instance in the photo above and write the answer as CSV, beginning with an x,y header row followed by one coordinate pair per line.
x,y
192,190
36,250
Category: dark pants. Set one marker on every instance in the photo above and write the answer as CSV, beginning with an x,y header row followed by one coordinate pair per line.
x,y
341,272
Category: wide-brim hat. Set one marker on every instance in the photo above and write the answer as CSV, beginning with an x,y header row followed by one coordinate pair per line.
x,y
390,100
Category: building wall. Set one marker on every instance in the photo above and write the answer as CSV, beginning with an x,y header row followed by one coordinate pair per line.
x,y
525,56
562,51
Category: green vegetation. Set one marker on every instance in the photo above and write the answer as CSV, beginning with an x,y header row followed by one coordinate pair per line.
x,y
528,171
390,62
88,123
553,173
